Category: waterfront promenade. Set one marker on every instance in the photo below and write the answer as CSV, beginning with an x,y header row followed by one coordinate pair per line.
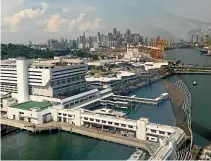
x,y
90,132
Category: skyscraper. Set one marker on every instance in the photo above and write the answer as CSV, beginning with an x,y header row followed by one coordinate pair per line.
x,y
110,36
141,40
157,40
128,36
136,38
114,31
30,43
48,44
197,38
146,41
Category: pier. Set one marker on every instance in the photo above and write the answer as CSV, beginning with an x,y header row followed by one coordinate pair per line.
x,y
117,104
97,134
191,69
145,101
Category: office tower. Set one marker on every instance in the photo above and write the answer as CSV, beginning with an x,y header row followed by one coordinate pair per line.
x,y
136,38
114,32
54,44
197,38
141,40
30,43
48,44
128,36
110,36
157,40
146,41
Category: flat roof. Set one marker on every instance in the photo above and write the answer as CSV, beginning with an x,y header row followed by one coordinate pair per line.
x,y
32,104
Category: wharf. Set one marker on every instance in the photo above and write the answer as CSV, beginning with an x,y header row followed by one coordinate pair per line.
x,y
145,101
97,134
117,104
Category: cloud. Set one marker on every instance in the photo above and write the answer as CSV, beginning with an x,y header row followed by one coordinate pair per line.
x,y
75,22
64,10
81,8
13,21
54,23
88,26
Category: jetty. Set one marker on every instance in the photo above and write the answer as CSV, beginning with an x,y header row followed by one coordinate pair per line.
x,y
144,101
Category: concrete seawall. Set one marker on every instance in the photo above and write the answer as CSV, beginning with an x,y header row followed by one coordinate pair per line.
x,y
97,134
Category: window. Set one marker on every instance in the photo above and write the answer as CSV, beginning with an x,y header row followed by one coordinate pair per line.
x,y
161,132
123,125
59,119
130,126
63,81
73,78
82,77
91,119
103,121
169,133
81,100
64,120
21,113
71,103
58,82
69,115
52,83
68,80
85,118
97,120
77,77
59,113
153,130
64,114
76,102
117,124
66,106
110,123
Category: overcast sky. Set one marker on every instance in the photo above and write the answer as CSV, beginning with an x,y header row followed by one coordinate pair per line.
x,y
39,20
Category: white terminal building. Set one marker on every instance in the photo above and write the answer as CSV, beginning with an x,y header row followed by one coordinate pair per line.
x,y
26,79
30,91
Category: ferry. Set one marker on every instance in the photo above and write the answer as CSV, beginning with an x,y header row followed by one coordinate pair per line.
x,y
109,112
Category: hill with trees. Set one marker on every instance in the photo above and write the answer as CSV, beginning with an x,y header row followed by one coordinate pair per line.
x,y
15,51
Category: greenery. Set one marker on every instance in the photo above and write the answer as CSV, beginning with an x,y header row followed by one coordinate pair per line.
x,y
208,42
15,51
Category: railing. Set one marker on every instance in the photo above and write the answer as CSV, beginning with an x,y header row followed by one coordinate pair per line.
x,y
186,106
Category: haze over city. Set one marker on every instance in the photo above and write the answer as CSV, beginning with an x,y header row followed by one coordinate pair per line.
x,y
24,20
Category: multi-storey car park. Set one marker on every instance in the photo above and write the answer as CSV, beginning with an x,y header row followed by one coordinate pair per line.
x,y
48,90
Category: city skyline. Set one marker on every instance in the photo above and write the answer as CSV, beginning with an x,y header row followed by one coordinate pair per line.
x,y
38,21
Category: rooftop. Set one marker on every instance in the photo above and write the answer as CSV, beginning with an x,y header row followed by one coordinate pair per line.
x,y
32,104
56,62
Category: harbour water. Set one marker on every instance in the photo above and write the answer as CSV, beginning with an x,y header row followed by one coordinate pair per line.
x,y
63,145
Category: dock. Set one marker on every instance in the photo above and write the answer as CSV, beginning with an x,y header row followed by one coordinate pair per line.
x,y
144,101
81,130
117,104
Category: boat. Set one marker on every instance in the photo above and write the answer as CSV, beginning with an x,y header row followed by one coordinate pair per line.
x,y
204,50
136,156
109,112
194,83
